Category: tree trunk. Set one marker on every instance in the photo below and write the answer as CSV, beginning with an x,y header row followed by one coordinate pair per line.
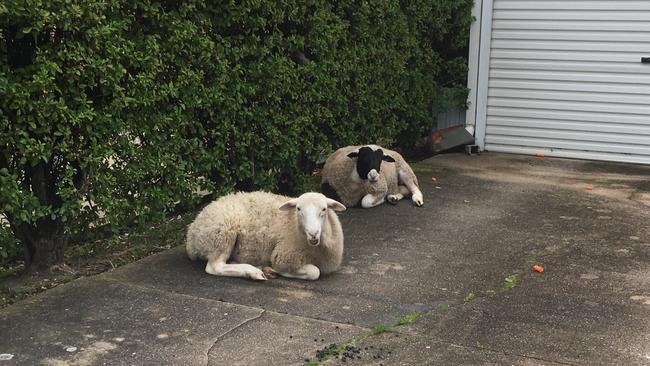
x,y
44,239
45,253
44,244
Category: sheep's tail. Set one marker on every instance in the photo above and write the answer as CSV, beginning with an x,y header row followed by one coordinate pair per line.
x,y
191,251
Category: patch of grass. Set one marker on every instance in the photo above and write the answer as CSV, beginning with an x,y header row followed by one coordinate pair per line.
x,y
408,318
381,328
421,168
471,296
510,282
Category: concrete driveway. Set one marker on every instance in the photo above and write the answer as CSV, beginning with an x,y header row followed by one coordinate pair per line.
x,y
457,272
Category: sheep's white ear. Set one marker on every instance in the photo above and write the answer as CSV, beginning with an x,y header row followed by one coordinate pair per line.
x,y
335,205
291,204
354,154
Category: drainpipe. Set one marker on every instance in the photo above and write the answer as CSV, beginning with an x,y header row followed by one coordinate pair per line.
x,y
472,72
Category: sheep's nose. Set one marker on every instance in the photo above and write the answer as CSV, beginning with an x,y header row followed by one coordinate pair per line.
x,y
313,234
373,175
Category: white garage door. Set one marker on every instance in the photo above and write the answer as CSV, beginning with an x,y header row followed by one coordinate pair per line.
x,y
566,78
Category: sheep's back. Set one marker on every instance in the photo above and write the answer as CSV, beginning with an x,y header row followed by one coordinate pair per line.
x,y
248,218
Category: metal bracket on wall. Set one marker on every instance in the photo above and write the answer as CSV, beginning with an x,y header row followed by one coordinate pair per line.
x,y
472,150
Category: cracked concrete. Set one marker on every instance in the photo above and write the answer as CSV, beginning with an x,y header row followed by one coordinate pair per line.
x,y
283,339
207,353
484,219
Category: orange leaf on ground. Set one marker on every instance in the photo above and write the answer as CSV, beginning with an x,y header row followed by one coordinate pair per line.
x,y
540,155
538,268
433,179
590,187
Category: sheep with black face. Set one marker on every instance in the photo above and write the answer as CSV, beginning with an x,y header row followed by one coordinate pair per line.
x,y
370,175
369,162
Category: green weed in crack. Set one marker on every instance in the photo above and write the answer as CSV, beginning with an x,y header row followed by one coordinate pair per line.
x,y
381,328
350,349
408,318
469,298
510,282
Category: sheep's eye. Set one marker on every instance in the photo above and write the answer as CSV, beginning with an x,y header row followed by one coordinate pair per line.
x,y
298,208
323,210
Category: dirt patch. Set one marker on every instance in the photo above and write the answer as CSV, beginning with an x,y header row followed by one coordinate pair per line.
x,y
91,258
87,356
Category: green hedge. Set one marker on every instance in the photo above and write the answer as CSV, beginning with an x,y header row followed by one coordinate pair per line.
x,y
134,106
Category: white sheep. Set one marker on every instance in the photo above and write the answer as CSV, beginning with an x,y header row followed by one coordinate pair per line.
x,y
370,174
293,237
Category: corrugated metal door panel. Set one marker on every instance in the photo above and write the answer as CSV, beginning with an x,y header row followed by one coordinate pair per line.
x,y
532,141
575,135
614,108
580,66
519,44
600,26
610,88
635,80
580,14
560,124
566,79
570,5
566,115
575,35
576,96
451,118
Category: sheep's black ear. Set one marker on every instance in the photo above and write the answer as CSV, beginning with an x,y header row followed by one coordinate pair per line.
x,y
289,205
388,158
354,154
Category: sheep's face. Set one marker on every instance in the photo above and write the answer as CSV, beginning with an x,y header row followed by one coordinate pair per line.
x,y
369,162
311,212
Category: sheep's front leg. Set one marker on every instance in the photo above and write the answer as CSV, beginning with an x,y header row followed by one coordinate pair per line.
x,y
269,272
407,177
306,272
219,267
370,200
393,198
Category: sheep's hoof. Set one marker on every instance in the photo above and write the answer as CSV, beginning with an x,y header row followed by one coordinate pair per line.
x,y
392,199
270,272
258,276
417,199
